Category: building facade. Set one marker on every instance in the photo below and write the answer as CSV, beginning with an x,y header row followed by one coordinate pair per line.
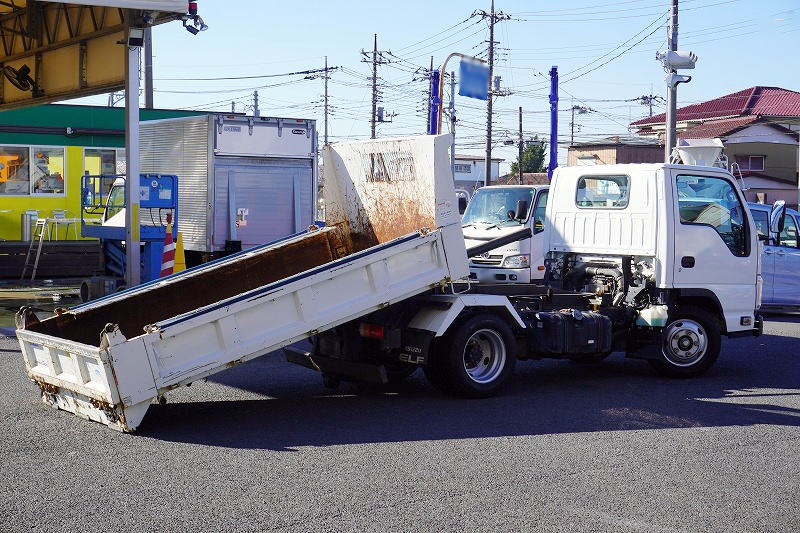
x,y
45,150
470,171
615,150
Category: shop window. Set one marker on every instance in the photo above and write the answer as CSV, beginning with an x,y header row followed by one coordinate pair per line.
x,y
97,161
14,171
48,170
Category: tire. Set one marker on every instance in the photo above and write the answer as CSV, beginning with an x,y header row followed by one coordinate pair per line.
x,y
690,343
475,359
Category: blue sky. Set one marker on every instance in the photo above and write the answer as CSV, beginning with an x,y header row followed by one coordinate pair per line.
x,y
740,43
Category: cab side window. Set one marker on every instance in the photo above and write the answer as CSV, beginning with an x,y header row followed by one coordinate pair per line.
x,y
761,218
788,236
538,213
713,202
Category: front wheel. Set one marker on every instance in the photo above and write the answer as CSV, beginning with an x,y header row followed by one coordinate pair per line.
x,y
475,359
690,343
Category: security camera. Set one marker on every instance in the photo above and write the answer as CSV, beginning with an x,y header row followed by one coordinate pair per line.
x,y
674,79
197,25
677,59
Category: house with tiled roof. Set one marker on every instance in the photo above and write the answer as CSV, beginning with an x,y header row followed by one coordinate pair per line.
x,y
759,127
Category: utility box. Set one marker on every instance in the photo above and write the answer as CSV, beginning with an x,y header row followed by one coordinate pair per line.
x,y
243,181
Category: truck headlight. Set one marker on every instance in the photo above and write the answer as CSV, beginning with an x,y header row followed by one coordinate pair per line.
x,y
517,261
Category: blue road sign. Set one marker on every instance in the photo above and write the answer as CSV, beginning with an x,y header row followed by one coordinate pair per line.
x,y
473,80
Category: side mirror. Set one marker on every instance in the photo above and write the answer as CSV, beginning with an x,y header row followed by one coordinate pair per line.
x,y
462,205
777,217
522,210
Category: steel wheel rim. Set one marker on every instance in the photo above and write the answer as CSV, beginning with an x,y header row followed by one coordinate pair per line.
x,y
685,343
484,356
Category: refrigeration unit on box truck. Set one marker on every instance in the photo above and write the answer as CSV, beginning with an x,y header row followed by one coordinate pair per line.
x,y
244,181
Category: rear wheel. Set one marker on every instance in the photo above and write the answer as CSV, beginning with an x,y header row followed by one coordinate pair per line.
x,y
690,343
475,359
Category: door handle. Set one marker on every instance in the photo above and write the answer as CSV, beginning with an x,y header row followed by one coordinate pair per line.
x,y
781,252
768,252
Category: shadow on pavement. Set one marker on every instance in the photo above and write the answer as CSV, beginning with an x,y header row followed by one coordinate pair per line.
x,y
751,383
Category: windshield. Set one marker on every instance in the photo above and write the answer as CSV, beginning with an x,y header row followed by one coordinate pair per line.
x,y
498,206
116,201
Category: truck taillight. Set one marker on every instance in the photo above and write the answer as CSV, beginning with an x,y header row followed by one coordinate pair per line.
x,y
372,331
193,8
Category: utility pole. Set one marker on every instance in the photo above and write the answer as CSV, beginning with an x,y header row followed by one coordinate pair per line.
x,y
493,17
376,59
148,67
325,134
256,111
374,86
582,110
672,91
519,164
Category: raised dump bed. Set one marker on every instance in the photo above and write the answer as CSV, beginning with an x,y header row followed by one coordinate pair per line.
x,y
392,231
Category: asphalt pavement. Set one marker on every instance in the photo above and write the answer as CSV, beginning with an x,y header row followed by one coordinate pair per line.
x,y
567,447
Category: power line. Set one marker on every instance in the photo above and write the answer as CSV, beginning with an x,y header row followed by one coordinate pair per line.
x,y
310,71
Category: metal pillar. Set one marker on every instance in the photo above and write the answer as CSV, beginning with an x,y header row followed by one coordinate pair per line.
x,y
132,256
453,124
519,164
553,122
436,103
148,67
670,137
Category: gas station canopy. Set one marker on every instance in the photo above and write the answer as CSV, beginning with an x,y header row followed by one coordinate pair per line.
x,y
52,51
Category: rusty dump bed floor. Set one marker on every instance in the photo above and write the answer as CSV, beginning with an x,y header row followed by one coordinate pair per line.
x,y
201,287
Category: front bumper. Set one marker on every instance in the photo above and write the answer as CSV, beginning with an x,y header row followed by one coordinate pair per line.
x,y
489,275
757,331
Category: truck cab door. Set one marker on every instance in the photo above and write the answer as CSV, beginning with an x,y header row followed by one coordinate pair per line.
x,y
787,264
537,222
715,248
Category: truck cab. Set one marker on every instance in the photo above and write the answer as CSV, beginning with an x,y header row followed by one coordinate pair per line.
x,y
496,211
664,240
780,258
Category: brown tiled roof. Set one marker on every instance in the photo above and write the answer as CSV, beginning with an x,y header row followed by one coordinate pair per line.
x,y
758,100
717,128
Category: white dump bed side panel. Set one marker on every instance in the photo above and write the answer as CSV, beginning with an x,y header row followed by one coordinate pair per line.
x,y
193,346
629,230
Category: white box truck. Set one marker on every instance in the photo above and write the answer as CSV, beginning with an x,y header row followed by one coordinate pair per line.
x,y
634,262
243,181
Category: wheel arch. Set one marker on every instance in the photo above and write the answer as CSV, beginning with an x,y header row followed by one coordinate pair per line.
x,y
705,299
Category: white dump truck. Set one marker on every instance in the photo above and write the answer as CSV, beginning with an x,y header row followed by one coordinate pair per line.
x,y
658,261
496,211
